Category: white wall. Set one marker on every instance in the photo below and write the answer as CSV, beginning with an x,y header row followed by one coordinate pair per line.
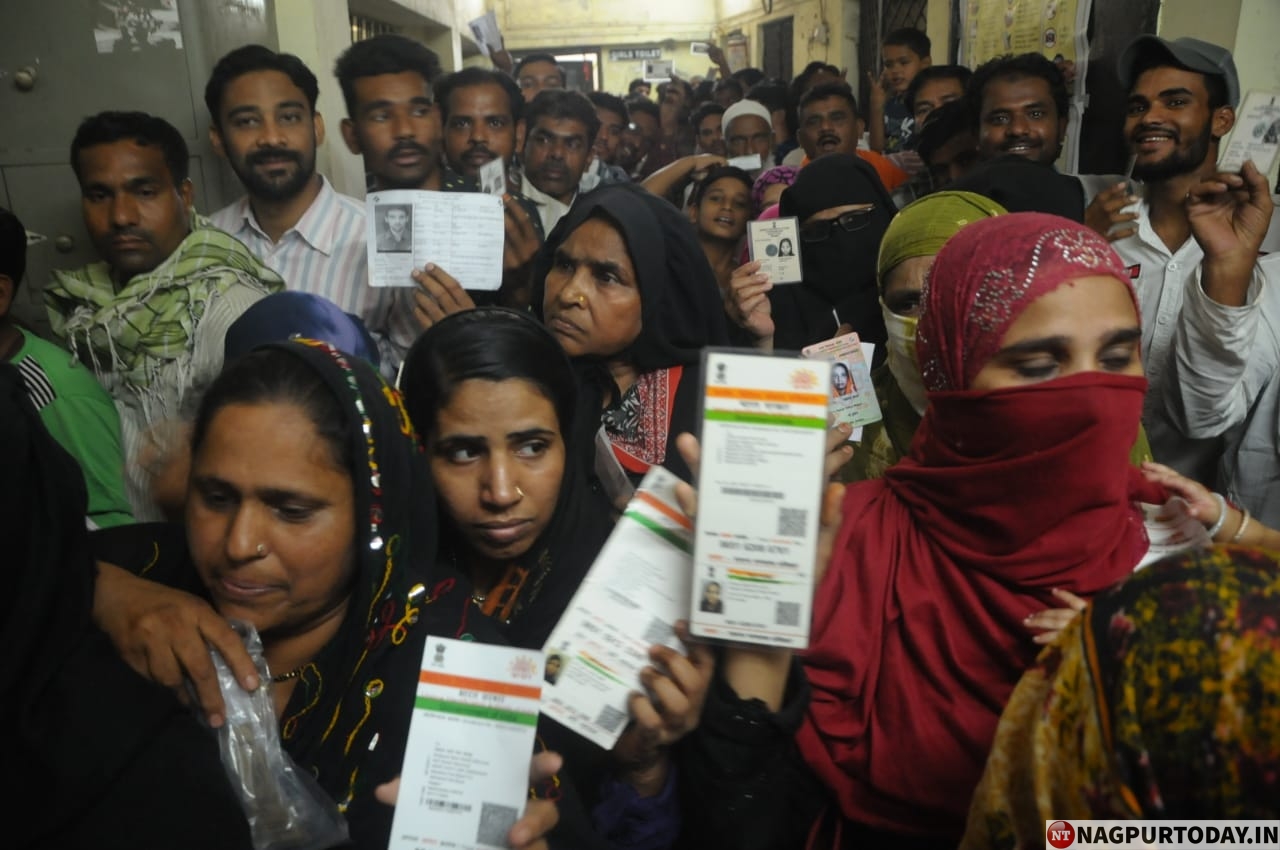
x,y
317,31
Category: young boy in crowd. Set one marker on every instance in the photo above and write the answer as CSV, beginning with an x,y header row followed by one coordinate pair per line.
x,y
904,53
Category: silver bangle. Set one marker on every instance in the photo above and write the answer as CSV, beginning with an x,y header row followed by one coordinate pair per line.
x,y
1222,515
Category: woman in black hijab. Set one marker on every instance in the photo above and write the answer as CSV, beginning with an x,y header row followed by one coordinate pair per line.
x,y
626,289
523,524
843,210
311,516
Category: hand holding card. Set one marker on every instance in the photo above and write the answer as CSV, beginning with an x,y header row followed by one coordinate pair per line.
x,y
775,244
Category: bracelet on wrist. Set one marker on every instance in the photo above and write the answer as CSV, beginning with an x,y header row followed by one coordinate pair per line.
x,y
1244,523
1222,515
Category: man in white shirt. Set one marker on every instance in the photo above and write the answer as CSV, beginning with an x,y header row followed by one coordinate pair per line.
x,y
262,105
1194,256
562,127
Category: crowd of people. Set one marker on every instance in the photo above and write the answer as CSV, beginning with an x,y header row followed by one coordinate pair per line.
x,y
228,423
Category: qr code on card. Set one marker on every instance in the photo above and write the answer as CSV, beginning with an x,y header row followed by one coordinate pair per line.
x,y
495,822
791,522
610,718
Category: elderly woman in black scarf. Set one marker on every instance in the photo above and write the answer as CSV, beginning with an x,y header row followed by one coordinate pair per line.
x,y
843,211
626,289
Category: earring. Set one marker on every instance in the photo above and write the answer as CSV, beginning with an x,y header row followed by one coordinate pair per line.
x,y
262,550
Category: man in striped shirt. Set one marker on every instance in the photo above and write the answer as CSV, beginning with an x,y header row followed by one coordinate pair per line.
x,y
263,108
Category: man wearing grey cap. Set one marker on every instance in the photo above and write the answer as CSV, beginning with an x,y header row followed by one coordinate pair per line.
x,y
1194,254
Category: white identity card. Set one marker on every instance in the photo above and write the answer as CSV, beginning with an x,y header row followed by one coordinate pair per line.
x,y
493,177
775,244
764,430
1256,135
853,398
486,32
461,232
465,776
630,600
1171,529
658,70
749,162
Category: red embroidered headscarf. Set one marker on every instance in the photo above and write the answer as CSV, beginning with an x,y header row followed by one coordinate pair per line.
x,y
918,635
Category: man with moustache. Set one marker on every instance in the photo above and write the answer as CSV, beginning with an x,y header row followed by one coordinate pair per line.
x,y
394,124
603,170
150,318
562,129
262,105
829,123
1194,256
1020,106
482,112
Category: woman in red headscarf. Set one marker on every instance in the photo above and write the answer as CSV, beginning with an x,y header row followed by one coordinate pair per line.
x,y
1018,483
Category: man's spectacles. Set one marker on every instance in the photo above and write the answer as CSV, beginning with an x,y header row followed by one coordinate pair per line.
x,y
849,222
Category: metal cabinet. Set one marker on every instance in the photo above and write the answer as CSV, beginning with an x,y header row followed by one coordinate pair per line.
x,y
62,60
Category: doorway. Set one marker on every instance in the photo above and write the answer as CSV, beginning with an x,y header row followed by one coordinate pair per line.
x,y
776,42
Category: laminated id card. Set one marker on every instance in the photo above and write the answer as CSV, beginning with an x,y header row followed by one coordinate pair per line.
x,y
630,600
764,425
853,398
465,776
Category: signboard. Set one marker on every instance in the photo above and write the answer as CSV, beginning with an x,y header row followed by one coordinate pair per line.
x,y
627,54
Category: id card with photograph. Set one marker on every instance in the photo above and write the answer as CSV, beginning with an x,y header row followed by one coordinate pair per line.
x,y
764,441
1256,135
630,600
853,398
775,244
461,232
465,775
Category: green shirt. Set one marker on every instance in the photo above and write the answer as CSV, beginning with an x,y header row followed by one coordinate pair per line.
x,y
80,415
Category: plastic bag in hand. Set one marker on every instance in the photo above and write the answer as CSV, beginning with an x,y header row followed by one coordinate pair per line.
x,y
286,808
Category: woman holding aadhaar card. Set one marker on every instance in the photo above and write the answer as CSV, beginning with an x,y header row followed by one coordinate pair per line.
x,y
1018,486
310,516
494,397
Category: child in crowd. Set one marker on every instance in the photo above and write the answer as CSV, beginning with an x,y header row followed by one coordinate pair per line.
x,y
905,53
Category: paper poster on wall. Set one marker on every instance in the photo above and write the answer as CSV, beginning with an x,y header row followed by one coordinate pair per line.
x,y
1055,28
737,52
658,70
132,26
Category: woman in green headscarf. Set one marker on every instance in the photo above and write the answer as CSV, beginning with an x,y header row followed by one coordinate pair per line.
x,y
915,236
913,239
1162,700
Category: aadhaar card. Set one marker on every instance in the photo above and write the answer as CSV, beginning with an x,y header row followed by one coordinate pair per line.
x,y
764,425
629,600
853,398
465,776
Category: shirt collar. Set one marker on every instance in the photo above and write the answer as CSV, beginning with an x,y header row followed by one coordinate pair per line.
x,y
316,227
540,197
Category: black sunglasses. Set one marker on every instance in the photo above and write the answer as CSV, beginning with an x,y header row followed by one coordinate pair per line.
x,y
849,222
